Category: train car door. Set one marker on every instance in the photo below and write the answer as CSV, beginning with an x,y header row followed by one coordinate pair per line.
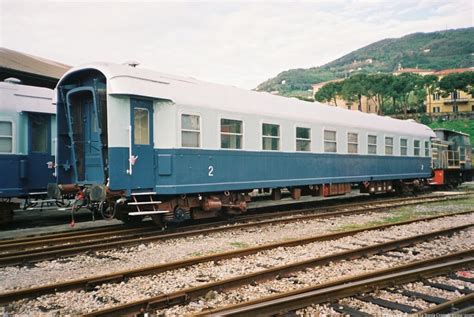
x,y
84,124
92,144
142,153
40,169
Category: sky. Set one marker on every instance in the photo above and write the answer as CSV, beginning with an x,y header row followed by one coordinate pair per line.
x,y
239,43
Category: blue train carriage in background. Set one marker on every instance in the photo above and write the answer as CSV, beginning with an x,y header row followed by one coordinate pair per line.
x,y
452,158
27,134
134,143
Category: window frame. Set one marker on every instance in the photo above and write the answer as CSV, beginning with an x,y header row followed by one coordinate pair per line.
x,y
189,113
268,136
427,148
348,142
134,125
372,144
12,137
406,147
302,126
219,122
415,148
389,146
332,141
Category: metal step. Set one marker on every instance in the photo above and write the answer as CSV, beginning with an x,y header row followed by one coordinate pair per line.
x,y
151,212
65,208
42,208
133,203
144,193
42,201
38,193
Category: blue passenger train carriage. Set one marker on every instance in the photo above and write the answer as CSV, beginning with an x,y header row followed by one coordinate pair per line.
x,y
27,147
137,142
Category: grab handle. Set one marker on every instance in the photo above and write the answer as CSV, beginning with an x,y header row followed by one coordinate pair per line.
x,y
130,156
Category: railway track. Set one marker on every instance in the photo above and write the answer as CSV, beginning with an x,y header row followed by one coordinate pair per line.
x,y
183,296
283,209
364,288
31,249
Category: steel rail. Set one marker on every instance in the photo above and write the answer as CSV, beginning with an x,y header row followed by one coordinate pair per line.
x,y
34,237
371,204
84,234
324,293
182,296
460,305
74,232
81,236
40,254
90,282
251,214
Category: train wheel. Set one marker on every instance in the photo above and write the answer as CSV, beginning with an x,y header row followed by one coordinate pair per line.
x,y
158,220
225,214
6,212
107,210
132,220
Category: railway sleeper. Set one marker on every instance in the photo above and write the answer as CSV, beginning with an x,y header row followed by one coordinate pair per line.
x,y
388,304
427,298
347,310
448,288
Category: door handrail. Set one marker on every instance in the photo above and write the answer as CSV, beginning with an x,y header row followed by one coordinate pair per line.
x,y
130,170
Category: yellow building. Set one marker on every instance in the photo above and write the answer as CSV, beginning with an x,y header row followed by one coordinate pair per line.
x,y
459,101
367,105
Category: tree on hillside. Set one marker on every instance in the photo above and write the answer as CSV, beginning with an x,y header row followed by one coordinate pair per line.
x,y
431,83
329,92
470,83
378,89
403,86
354,87
452,83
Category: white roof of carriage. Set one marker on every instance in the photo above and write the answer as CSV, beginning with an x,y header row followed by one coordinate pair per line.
x,y
19,98
126,80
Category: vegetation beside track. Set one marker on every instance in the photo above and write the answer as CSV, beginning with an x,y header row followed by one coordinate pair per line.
x,y
413,212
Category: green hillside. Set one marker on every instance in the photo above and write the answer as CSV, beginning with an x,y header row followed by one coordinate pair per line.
x,y
436,50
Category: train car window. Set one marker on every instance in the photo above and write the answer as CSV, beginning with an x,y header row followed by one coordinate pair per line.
x,y
141,126
231,134
416,147
403,147
352,143
372,144
427,148
190,130
6,137
303,139
39,134
270,137
330,143
388,145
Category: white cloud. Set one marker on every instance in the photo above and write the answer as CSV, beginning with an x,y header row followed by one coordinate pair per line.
x,y
239,43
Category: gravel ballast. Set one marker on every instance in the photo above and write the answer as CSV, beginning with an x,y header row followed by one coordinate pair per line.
x,y
76,302
146,254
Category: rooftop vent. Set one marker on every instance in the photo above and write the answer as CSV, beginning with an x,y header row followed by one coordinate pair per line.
x,y
131,63
12,80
